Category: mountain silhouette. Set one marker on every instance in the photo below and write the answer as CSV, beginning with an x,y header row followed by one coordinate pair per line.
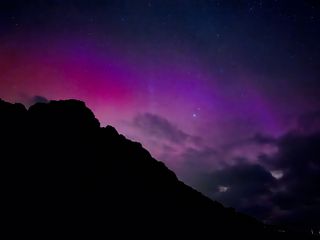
x,y
65,176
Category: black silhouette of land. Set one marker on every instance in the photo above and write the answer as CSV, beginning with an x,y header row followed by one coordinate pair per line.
x,y
65,176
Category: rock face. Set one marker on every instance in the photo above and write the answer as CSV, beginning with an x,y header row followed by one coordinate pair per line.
x,y
65,176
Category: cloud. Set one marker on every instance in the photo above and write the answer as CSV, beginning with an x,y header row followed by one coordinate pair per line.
x,y
195,157
299,159
159,127
279,187
244,186
30,100
262,139
195,162
309,122
297,152
39,99
273,179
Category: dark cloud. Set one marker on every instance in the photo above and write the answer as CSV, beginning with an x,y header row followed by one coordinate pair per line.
x,y
309,122
250,147
39,99
159,127
282,187
297,152
245,187
30,100
196,163
263,139
299,158
192,156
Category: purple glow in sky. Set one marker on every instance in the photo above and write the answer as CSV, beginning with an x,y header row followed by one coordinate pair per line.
x,y
215,89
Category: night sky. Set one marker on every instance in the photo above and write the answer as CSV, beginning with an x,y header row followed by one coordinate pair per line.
x,y
226,93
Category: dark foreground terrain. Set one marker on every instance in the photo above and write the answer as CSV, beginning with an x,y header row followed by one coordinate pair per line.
x,y
64,176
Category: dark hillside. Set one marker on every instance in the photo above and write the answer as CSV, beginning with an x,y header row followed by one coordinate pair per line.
x,y
65,176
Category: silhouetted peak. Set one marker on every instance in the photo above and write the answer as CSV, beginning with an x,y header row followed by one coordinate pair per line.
x,y
111,130
6,106
11,114
61,170
64,113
